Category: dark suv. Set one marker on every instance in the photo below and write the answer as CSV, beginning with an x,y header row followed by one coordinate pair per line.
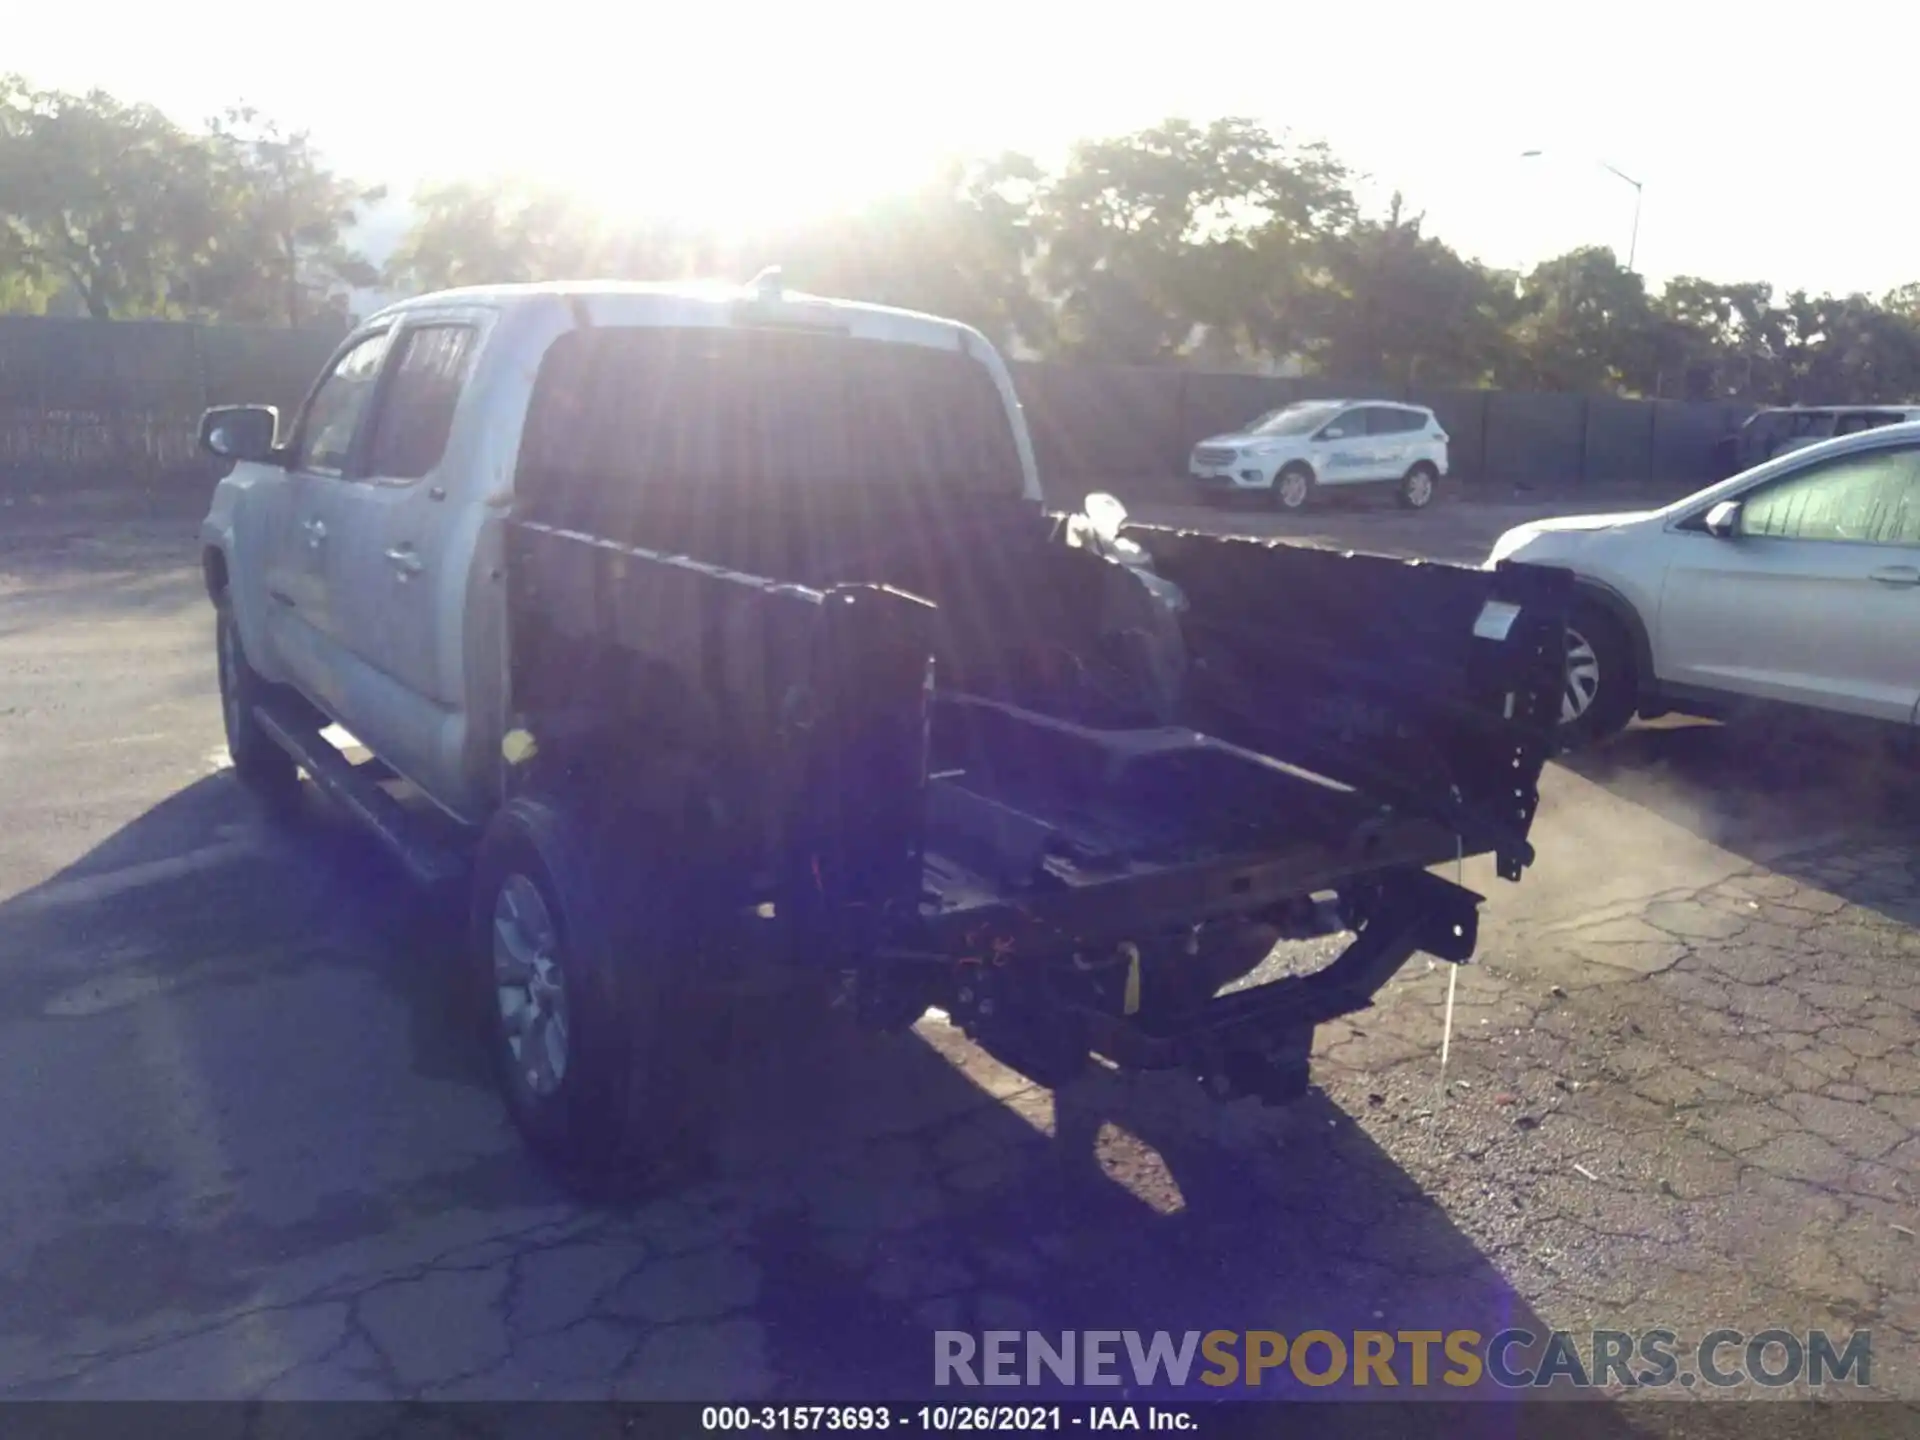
x,y
1774,431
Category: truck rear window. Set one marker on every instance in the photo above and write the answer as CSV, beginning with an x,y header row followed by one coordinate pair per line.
x,y
768,408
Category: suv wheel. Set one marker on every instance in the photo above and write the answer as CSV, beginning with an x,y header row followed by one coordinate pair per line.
x,y
1292,487
1599,695
1417,486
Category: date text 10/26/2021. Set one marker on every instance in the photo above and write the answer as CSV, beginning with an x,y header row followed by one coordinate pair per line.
x,y
996,1419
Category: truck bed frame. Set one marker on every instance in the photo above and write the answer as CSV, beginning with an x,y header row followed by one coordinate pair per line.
x,y
1054,886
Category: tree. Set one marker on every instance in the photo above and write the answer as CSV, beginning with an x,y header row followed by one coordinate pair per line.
x,y
1846,348
1401,306
959,245
1583,325
1147,236
470,234
276,254
1213,243
110,199
1715,339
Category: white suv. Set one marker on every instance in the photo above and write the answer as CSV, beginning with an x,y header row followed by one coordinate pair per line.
x,y
1289,453
1796,583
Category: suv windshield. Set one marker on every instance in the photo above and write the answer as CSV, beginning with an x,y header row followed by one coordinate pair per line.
x,y
1295,419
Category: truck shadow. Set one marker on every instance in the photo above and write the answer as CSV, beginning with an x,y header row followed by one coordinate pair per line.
x,y
1800,795
256,1067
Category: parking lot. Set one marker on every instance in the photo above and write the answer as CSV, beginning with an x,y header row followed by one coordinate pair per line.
x,y
251,1151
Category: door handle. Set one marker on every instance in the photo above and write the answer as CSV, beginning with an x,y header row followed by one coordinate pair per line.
x,y
1896,575
405,560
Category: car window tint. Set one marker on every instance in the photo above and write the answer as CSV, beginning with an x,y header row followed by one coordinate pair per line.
x,y
1349,423
335,411
1863,499
416,413
781,409
1391,420
1855,421
338,406
1903,510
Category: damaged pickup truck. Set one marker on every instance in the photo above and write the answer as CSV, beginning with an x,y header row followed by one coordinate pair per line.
x,y
710,633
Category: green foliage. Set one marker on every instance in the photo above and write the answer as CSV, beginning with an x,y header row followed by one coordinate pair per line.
x,y
1145,237
133,216
275,253
1219,243
1402,307
103,197
466,234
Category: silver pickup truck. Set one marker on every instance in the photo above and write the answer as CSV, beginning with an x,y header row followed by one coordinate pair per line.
x,y
703,634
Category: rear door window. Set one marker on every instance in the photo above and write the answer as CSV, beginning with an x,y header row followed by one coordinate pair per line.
x,y
423,388
1391,420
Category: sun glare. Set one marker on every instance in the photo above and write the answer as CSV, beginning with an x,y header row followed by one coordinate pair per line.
x,y
769,158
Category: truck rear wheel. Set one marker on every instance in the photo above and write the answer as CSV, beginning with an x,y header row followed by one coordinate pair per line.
x,y
578,982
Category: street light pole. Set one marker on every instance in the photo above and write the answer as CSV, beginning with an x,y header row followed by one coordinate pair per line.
x,y
1633,241
1639,190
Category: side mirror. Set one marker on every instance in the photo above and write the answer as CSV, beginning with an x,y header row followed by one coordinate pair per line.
x,y
1332,433
1723,520
240,432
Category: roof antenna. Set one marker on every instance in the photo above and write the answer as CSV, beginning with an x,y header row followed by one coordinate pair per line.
x,y
767,283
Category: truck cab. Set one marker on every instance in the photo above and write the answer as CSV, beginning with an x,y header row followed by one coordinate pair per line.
x,y
359,561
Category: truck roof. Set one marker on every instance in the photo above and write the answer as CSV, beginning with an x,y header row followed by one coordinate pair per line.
x,y
634,302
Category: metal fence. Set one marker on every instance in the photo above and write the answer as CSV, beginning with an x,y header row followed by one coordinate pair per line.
x,y
1131,428
88,404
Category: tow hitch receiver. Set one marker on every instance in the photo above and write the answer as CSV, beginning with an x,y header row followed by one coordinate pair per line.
x,y
1259,1041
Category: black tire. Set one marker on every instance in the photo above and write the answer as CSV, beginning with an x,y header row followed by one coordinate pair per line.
x,y
1417,486
1292,487
263,767
615,1117
1596,636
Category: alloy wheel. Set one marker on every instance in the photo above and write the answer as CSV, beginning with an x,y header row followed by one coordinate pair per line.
x,y
1583,678
529,985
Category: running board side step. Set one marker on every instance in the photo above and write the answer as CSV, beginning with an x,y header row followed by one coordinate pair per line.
x,y
359,793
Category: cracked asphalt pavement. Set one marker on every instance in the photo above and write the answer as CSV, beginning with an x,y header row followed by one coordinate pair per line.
x,y
251,1152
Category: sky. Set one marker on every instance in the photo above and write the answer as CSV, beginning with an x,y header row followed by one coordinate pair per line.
x,y
1770,144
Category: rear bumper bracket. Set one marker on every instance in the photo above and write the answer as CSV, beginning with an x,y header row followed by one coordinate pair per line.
x,y
1258,1040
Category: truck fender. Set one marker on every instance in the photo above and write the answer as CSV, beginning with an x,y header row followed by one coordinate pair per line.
x,y
220,572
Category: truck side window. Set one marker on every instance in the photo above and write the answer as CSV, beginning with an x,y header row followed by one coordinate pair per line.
x,y
335,411
415,416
